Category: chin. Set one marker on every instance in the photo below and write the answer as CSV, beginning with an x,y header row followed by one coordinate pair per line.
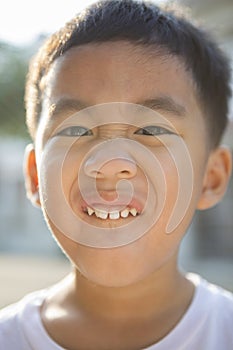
x,y
112,280
114,270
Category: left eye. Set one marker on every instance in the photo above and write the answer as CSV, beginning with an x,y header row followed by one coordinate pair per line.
x,y
75,131
152,130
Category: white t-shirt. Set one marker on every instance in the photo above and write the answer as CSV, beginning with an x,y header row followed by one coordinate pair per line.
x,y
207,324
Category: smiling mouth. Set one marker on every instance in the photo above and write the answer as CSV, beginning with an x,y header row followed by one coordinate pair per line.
x,y
112,215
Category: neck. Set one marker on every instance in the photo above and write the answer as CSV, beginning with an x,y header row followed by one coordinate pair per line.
x,y
154,296
129,317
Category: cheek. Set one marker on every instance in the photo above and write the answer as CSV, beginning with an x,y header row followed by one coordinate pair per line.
x,y
71,167
183,166
170,194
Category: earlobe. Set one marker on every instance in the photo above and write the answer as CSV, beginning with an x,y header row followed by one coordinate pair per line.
x,y
217,175
31,176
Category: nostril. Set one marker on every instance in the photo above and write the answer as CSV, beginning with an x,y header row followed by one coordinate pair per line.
x,y
125,174
96,173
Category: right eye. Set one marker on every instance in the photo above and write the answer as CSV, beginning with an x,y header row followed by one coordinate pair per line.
x,y
75,131
153,130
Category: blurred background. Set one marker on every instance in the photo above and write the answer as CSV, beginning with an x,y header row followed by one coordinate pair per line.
x,y
29,258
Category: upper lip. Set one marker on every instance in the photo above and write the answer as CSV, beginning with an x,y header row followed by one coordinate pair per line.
x,y
95,203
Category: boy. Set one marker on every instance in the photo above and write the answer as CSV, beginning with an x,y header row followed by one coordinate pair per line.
x,y
126,106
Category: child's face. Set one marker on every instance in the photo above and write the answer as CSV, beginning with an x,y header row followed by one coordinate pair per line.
x,y
164,175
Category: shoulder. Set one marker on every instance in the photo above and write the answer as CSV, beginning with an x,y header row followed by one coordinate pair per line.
x,y
212,294
213,306
13,319
207,323
12,312
221,302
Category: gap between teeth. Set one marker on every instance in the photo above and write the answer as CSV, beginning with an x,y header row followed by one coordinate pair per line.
x,y
112,215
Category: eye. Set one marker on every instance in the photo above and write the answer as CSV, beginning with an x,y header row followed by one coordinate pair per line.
x,y
75,131
152,130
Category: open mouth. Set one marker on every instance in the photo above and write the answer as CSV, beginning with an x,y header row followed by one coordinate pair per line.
x,y
113,214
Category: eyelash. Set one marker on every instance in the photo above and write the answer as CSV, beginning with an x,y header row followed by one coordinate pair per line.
x,y
74,131
151,130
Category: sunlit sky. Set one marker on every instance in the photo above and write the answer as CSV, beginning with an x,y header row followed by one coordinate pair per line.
x,y
21,21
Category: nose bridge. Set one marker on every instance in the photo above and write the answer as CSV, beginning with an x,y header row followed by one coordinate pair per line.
x,y
110,161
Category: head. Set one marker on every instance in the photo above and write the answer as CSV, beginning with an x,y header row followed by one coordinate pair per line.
x,y
146,25
112,58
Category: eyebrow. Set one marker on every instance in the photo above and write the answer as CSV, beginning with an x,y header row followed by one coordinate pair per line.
x,y
163,103
64,105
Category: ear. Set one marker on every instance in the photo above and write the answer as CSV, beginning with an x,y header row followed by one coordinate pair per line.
x,y
30,174
216,178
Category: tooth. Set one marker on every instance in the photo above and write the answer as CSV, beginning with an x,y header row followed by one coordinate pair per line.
x,y
125,213
90,211
133,211
101,214
114,215
97,213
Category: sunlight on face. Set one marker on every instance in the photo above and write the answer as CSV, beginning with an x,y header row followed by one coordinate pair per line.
x,y
117,157
85,151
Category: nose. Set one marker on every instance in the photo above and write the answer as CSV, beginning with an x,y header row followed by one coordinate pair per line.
x,y
121,167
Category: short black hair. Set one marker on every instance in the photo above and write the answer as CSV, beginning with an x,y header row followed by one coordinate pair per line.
x,y
142,23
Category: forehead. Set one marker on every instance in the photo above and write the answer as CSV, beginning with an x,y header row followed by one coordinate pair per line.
x,y
120,72
120,66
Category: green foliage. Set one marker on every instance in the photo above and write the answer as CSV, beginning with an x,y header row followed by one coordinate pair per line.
x,y
13,70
